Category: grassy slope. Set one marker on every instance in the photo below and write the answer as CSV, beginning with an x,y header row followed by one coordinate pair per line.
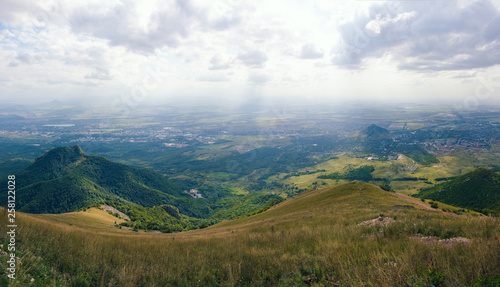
x,y
314,237
92,219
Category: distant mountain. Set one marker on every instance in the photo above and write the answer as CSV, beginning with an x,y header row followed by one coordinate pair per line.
x,y
10,118
10,108
376,139
374,132
66,179
478,189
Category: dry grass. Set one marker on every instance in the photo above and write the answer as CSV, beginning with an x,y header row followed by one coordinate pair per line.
x,y
314,238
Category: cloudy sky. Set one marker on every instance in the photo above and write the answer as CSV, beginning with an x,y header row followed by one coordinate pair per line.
x,y
238,49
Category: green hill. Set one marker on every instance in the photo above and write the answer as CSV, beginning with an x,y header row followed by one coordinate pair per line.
x,y
65,179
374,132
354,234
478,189
376,139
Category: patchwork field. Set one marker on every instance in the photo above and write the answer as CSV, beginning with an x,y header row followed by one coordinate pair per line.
x,y
449,166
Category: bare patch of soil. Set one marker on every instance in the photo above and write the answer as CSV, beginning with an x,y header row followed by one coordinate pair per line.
x,y
450,242
114,210
380,221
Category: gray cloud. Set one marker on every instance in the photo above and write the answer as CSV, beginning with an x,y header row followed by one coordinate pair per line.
x,y
23,57
217,63
12,10
418,35
166,27
310,52
253,59
225,22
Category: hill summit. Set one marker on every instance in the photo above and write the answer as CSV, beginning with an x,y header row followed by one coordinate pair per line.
x,y
56,162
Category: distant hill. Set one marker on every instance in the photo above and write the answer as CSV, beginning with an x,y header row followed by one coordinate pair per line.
x,y
374,132
65,179
478,189
376,139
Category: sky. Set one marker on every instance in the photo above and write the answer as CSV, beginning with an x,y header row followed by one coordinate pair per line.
x,y
126,52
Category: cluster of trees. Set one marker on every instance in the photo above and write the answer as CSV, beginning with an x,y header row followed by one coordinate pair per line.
x,y
445,178
303,173
410,179
165,218
237,206
362,173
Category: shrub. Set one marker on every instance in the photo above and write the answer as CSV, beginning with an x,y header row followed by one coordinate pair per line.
x,y
386,188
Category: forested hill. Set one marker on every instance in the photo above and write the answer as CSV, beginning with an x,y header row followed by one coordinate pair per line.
x,y
374,132
478,189
66,179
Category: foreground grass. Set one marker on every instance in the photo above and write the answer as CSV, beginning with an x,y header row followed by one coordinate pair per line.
x,y
314,238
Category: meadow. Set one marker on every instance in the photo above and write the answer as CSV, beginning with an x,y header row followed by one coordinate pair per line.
x,y
353,234
449,166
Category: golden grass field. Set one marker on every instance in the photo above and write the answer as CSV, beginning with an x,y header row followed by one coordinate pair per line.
x,y
314,239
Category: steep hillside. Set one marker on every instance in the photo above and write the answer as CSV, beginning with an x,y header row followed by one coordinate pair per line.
x,y
65,179
478,189
354,234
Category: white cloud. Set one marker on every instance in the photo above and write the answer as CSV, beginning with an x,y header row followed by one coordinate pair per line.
x,y
219,63
435,35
